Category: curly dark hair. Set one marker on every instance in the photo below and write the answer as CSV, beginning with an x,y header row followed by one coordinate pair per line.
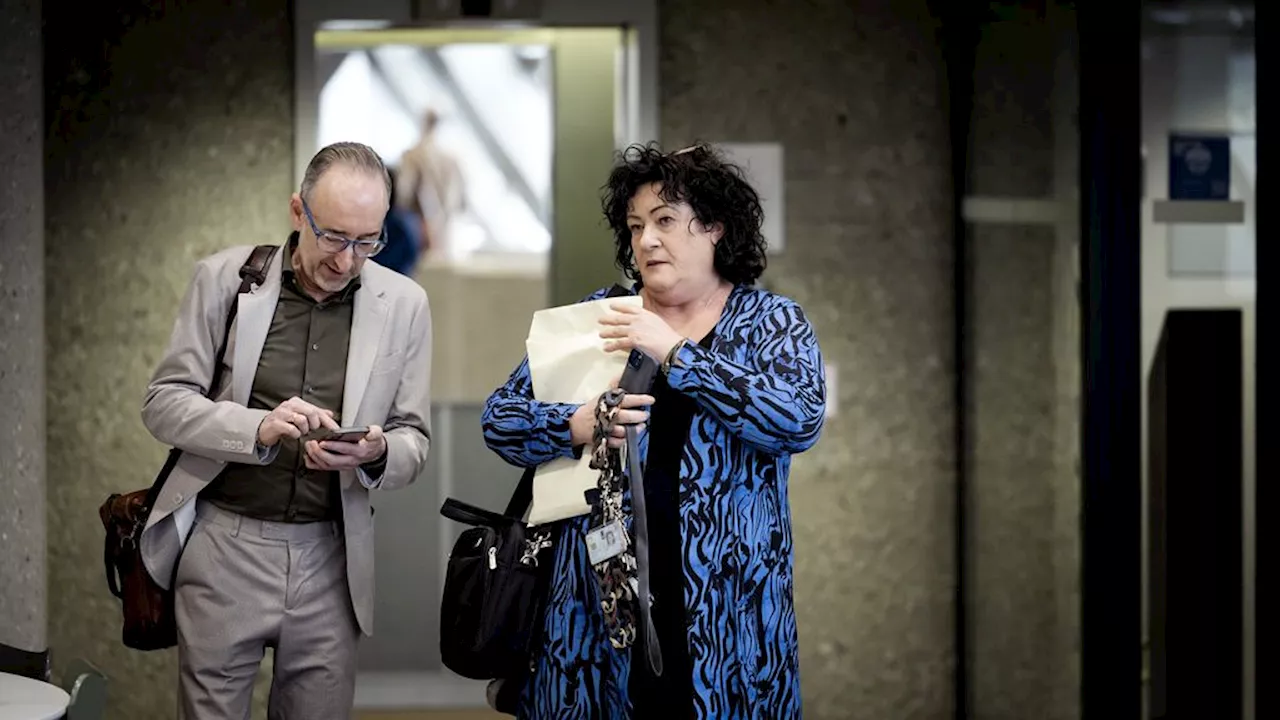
x,y
715,189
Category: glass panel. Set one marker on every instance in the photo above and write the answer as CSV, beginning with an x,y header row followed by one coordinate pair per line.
x,y
1205,84
1198,340
467,129
499,140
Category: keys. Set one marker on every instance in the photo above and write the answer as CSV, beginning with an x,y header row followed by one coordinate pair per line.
x,y
609,544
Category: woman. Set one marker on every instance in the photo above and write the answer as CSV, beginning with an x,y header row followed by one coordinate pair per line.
x,y
741,389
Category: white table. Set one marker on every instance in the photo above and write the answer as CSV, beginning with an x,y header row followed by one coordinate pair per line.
x,y
26,699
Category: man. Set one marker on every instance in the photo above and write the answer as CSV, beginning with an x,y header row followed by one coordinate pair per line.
x,y
280,550
430,186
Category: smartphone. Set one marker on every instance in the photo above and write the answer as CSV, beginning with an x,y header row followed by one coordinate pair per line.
x,y
345,434
640,373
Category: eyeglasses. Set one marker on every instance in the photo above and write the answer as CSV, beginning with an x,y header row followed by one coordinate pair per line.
x,y
333,243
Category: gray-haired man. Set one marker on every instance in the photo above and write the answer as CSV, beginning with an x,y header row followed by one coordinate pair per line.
x,y
273,531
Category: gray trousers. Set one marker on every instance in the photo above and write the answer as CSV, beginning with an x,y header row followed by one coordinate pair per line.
x,y
244,585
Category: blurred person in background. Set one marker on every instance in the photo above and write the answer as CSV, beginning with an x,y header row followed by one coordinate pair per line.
x,y
740,389
404,237
429,186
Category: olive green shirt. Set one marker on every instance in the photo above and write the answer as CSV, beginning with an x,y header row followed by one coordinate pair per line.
x,y
304,355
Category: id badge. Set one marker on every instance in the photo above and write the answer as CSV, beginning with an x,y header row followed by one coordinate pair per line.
x,y
605,542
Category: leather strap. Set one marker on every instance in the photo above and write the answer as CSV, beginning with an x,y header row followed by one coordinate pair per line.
x,y
254,271
522,498
640,527
109,549
468,514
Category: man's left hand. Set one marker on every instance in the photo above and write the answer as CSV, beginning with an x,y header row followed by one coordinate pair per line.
x,y
338,455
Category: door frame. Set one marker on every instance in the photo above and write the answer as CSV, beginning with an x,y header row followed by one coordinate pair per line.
x,y
1267,454
1111,492
639,19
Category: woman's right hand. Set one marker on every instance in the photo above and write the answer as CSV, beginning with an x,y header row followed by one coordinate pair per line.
x,y
582,424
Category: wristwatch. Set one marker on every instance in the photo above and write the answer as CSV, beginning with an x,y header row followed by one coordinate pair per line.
x,y
671,356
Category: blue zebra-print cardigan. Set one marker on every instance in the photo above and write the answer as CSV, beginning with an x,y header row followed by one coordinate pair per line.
x,y
760,391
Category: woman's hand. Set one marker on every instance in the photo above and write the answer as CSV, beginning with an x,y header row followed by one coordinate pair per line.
x,y
635,327
582,424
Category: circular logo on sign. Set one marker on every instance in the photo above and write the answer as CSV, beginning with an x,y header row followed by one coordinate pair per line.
x,y
1198,159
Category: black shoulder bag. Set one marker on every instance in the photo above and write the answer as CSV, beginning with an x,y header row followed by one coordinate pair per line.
x,y
494,589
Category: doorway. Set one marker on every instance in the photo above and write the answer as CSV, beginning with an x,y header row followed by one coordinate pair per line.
x,y
498,139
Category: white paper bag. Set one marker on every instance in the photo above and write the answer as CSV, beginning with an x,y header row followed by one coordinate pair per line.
x,y
568,364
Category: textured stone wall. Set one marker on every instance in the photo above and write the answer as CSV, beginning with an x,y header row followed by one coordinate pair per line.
x,y
856,94
170,138
22,438
1023,594
1069,374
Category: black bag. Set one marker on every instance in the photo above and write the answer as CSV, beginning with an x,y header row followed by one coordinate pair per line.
x,y
495,590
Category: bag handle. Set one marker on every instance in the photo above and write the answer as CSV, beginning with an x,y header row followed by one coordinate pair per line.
x,y
522,497
471,515
254,271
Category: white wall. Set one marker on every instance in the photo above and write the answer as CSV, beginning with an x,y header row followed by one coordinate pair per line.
x,y
1202,84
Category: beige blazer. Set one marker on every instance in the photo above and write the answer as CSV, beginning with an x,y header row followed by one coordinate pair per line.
x,y
387,384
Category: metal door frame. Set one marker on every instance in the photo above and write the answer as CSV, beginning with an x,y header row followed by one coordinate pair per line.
x,y
427,690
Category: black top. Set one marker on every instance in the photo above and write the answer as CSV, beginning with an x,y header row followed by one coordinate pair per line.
x,y
669,697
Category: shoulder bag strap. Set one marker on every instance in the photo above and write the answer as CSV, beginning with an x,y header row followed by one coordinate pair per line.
x,y
468,514
522,497
254,271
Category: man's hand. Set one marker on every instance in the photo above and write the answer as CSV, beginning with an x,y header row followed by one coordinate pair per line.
x,y
293,418
338,455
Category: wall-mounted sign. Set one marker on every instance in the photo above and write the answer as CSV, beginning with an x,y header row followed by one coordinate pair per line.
x,y
1199,167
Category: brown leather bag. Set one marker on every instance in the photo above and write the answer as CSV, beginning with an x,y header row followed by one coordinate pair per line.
x,y
149,621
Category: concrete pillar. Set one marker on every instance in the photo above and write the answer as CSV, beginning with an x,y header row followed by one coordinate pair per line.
x,y
869,257
23,609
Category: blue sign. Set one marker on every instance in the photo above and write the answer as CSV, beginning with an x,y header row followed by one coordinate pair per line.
x,y
1199,167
